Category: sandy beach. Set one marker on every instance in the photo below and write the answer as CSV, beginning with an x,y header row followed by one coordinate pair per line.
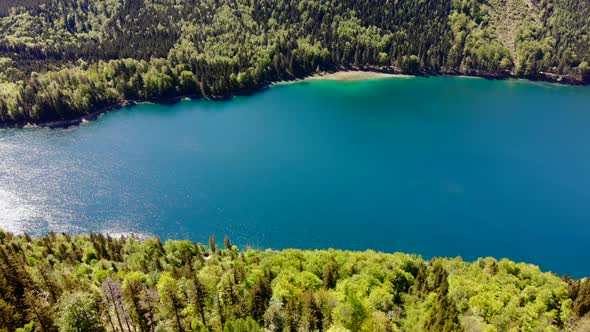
x,y
353,75
345,75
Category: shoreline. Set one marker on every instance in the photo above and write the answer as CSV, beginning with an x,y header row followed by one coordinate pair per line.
x,y
355,75
92,116
346,75
474,259
341,74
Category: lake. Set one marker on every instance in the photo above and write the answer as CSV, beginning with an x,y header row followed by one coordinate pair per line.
x,y
435,166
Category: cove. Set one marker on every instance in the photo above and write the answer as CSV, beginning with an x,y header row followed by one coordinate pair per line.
x,y
436,166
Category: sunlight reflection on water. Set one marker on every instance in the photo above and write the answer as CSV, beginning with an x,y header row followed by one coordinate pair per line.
x,y
46,181
15,213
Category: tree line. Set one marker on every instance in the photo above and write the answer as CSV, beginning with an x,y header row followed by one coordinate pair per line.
x,y
95,282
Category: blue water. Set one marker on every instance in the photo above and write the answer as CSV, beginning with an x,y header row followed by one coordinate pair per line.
x,y
434,166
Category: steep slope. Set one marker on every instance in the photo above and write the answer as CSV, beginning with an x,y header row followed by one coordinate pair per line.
x,y
508,16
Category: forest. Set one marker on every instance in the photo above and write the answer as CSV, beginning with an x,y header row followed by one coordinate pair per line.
x,y
64,59
96,282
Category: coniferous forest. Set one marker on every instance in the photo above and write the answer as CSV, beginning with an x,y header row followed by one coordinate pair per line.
x,y
66,59
99,283
63,59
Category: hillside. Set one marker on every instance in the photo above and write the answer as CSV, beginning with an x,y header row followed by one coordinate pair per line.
x,y
65,59
98,283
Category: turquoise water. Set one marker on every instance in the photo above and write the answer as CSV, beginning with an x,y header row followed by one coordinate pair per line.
x,y
434,166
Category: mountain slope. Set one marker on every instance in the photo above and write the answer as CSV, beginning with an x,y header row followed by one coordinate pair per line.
x,y
64,59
